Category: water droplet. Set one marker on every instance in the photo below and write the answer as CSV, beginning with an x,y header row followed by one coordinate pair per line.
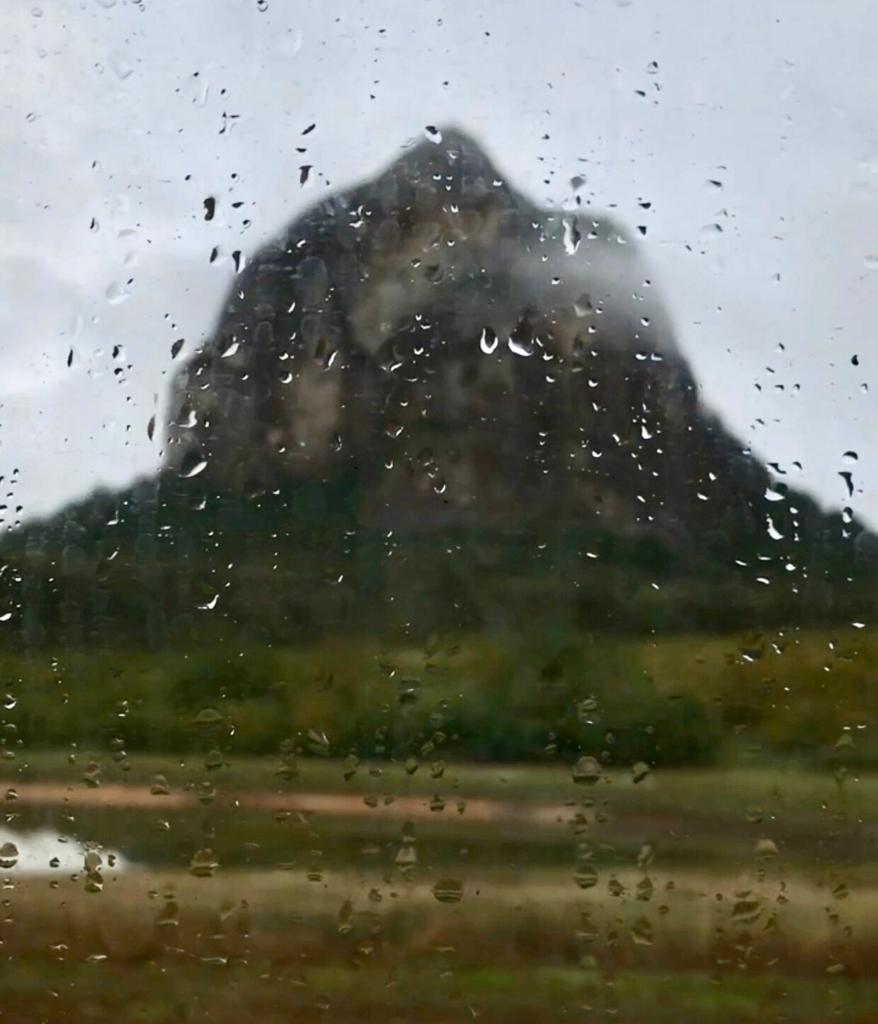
x,y
489,341
583,305
586,771
448,890
214,760
159,786
572,235
318,742
203,863
288,768
409,691
586,876
122,68
517,349
745,909
773,531
116,293
206,792
641,932
93,860
207,716
192,466
8,855
406,856
345,918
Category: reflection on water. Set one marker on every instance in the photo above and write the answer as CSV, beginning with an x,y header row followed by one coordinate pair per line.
x,y
44,852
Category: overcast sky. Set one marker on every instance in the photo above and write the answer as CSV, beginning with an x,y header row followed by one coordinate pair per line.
x,y
117,118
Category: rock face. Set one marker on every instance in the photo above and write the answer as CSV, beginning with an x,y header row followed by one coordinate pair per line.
x,y
430,404
472,360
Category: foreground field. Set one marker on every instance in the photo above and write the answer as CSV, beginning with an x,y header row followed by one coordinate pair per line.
x,y
167,993
323,845
508,893
504,945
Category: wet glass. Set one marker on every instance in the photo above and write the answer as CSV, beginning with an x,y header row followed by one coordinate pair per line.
x,y
438,556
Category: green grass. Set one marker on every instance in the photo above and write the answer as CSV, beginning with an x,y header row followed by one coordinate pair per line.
x,y
166,992
697,697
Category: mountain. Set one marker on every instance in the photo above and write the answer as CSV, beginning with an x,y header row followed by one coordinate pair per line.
x,y
429,404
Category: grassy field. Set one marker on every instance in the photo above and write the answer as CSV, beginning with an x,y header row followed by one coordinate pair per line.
x,y
518,945
309,883
732,894
801,694
162,993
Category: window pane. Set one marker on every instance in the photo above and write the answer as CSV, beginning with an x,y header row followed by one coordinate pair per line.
x,y
437,573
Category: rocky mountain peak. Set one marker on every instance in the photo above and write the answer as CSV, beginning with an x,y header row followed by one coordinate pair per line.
x,y
433,323
430,401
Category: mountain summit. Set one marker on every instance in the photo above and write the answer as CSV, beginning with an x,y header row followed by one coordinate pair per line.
x,y
471,357
429,401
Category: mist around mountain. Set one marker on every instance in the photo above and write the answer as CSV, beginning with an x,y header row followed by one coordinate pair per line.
x,y
429,406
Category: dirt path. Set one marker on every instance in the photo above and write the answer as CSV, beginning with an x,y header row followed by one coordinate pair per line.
x,y
340,805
